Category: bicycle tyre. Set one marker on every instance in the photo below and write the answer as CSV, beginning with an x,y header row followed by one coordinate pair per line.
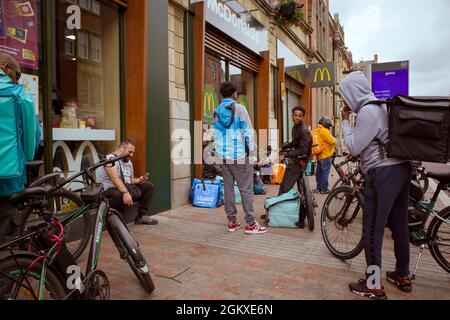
x,y
123,237
309,203
433,230
74,247
325,216
56,288
339,183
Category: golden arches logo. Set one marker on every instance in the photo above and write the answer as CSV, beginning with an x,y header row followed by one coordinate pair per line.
x,y
322,72
208,102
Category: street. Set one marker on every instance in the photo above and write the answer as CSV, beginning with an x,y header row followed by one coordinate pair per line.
x,y
193,257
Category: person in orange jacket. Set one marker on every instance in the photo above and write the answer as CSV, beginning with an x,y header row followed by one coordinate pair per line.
x,y
327,148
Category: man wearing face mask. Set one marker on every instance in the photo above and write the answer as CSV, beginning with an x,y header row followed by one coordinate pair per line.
x,y
122,188
17,114
387,187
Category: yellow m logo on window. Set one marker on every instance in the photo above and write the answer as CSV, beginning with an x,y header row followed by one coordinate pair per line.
x,y
322,72
208,101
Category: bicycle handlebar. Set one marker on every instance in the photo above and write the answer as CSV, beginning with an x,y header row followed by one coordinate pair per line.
x,y
88,172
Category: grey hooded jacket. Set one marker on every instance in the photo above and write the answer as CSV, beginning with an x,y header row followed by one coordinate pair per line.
x,y
372,122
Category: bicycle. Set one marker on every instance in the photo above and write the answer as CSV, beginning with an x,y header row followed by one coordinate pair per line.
x,y
62,202
47,260
346,174
347,220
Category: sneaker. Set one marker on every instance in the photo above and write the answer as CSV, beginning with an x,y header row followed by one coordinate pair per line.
x,y
403,283
233,226
146,220
360,288
255,229
325,192
316,191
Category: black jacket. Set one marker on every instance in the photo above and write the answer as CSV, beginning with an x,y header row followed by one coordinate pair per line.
x,y
301,144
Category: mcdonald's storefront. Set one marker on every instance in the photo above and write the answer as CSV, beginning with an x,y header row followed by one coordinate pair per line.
x,y
236,50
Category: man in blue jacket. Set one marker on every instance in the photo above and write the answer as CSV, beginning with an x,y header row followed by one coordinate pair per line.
x,y
387,187
27,142
234,147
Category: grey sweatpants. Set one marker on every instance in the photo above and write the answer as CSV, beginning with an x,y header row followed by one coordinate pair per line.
x,y
243,175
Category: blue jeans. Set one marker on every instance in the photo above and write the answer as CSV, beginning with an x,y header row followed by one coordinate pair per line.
x,y
323,174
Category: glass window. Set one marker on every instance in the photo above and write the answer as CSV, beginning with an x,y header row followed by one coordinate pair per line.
x,y
215,72
96,48
96,7
83,44
70,43
86,89
85,4
245,88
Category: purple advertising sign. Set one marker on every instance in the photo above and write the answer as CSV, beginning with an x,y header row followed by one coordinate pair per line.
x,y
391,81
19,31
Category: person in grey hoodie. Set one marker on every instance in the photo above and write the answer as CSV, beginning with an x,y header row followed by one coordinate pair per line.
x,y
234,146
387,186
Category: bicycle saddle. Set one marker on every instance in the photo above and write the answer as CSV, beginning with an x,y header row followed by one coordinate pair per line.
x,y
28,194
440,176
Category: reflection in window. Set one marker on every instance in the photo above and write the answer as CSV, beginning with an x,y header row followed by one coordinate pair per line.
x,y
83,44
87,89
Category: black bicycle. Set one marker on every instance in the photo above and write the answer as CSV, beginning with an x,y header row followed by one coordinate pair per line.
x,y
341,221
39,266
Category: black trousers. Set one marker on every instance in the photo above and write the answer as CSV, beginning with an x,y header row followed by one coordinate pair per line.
x,y
386,200
143,202
292,176
8,225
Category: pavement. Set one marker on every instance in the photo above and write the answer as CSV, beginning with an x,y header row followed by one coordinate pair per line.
x,y
192,256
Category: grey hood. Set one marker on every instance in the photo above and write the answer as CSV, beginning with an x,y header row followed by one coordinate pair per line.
x,y
356,92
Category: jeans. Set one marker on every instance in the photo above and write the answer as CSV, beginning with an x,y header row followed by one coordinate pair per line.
x,y
323,174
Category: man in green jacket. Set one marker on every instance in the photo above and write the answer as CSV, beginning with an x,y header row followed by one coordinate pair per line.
x,y
27,141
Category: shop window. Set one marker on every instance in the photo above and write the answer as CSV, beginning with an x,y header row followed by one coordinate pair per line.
x,y
245,89
86,89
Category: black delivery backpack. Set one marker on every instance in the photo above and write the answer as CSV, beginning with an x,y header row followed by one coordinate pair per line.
x,y
419,128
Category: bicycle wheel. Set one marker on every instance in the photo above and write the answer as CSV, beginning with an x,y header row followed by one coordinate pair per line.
x,y
18,282
339,183
439,239
309,203
341,223
78,231
129,251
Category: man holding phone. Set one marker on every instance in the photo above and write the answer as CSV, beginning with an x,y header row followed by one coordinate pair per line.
x,y
123,189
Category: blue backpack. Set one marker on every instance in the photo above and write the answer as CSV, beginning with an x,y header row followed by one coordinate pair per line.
x,y
283,211
206,193
11,148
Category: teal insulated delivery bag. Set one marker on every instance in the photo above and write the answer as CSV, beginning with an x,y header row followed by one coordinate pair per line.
x,y
283,211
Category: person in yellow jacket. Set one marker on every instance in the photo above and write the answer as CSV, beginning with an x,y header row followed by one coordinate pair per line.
x,y
327,149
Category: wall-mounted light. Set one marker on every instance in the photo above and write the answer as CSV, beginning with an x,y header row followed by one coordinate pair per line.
x,y
71,37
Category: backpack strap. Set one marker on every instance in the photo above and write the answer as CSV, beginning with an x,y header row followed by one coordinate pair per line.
x,y
382,147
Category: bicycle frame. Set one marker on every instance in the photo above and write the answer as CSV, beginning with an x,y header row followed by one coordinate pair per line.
x,y
57,256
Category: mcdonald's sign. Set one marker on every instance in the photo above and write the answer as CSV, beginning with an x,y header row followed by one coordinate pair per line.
x,y
322,74
210,103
